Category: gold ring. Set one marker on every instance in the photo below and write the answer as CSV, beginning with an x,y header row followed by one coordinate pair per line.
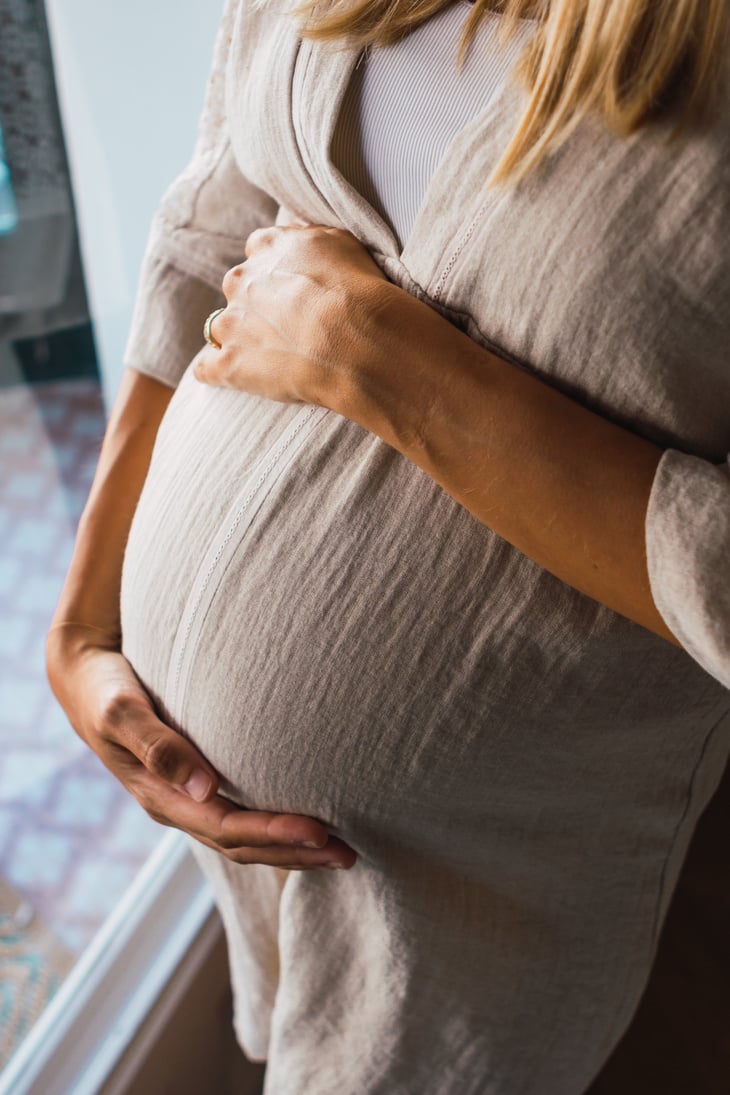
x,y
208,334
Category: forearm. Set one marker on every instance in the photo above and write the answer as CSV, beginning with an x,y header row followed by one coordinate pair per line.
x,y
310,318
90,593
565,486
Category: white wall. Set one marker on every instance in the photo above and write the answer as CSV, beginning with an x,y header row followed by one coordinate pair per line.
x,y
131,77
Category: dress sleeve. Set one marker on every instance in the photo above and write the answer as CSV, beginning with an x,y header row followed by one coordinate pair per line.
x,y
197,233
688,554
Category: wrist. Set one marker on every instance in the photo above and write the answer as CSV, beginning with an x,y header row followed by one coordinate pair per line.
x,y
412,375
68,641
379,384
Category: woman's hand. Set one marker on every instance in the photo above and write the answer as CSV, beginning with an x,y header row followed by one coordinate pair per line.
x,y
300,312
310,318
171,780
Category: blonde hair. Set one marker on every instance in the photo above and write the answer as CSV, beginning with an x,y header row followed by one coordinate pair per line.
x,y
630,61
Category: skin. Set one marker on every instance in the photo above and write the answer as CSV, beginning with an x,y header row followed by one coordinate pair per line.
x,y
311,319
106,703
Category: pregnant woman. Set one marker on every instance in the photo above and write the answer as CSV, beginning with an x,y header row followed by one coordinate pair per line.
x,y
420,567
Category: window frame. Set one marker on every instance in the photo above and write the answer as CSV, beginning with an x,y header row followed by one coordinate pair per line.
x,y
101,1006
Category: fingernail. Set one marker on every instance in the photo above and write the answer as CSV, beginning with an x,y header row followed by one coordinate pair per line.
x,y
198,785
309,844
335,866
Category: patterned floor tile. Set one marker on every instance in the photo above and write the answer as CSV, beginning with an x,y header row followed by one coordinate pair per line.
x,y
96,884
75,937
52,728
14,442
32,536
26,486
82,802
26,772
130,829
40,859
38,592
70,836
7,827
15,632
19,701
10,574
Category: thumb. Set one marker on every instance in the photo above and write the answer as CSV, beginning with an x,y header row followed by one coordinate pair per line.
x,y
165,753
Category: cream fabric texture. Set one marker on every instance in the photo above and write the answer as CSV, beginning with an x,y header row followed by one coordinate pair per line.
x,y
390,138
519,769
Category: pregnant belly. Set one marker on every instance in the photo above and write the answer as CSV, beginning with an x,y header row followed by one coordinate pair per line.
x,y
342,639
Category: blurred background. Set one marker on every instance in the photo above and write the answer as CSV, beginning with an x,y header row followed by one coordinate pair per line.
x,y
83,162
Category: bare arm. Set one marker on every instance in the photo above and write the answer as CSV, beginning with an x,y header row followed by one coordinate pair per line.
x,y
104,700
310,317
91,591
564,485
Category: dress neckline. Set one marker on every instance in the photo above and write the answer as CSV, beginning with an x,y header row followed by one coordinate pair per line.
x,y
322,76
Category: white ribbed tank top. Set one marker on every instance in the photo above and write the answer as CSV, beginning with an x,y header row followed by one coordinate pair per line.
x,y
406,102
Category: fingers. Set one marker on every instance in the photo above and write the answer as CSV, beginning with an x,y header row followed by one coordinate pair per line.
x,y
246,836
212,327
283,858
231,282
259,239
128,722
172,780
262,238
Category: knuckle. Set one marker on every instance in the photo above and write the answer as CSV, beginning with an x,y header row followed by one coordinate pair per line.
x,y
235,855
219,332
319,238
231,280
262,237
245,857
152,810
116,710
227,843
226,358
227,366
159,756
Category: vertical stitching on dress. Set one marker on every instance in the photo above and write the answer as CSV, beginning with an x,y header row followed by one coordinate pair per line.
x,y
464,240
181,648
299,135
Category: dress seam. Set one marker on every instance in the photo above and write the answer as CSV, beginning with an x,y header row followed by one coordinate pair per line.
x,y
443,276
690,798
233,525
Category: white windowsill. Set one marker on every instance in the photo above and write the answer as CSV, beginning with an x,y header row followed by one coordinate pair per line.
x,y
96,1013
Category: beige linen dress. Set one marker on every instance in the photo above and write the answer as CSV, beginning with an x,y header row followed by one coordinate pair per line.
x,y
518,768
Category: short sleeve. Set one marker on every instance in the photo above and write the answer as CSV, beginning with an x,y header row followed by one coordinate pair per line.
x,y
198,232
688,555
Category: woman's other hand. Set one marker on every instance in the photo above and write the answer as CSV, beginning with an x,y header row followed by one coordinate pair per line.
x,y
299,312
171,780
